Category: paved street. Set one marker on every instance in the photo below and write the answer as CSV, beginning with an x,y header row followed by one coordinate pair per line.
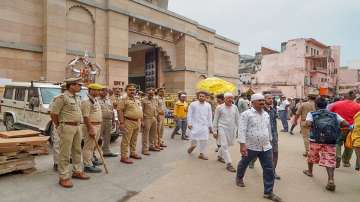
x,y
173,175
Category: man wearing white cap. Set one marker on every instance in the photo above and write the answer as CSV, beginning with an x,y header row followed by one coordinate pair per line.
x,y
225,125
255,142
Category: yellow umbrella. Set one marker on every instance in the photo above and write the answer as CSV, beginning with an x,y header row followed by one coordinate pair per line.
x,y
216,86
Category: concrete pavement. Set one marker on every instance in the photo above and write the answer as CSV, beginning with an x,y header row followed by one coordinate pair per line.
x,y
173,175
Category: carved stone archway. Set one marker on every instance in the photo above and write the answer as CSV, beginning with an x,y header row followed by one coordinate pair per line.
x,y
163,52
149,64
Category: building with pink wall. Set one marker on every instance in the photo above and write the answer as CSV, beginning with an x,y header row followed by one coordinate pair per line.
x,y
349,79
303,66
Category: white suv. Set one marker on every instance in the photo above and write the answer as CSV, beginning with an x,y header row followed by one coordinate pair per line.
x,y
26,105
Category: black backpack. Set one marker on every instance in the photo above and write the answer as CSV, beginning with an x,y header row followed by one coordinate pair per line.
x,y
326,128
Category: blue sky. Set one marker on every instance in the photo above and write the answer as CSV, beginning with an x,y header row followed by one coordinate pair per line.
x,y
256,23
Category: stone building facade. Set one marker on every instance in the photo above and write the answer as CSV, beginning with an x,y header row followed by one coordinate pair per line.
x,y
132,40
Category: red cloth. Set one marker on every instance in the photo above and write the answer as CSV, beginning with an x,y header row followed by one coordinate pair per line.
x,y
346,109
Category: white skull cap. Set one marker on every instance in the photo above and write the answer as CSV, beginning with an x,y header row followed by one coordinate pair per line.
x,y
228,95
257,96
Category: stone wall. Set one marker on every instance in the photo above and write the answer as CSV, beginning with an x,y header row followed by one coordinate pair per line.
x,y
21,38
137,65
348,76
42,36
20,65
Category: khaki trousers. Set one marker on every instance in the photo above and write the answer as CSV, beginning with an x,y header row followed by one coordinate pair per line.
x,y
70,145
90,145
129,138
160,129
305,131
106,127
55,145
149,134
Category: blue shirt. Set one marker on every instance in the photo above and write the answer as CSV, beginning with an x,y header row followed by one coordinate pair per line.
x,y
273,125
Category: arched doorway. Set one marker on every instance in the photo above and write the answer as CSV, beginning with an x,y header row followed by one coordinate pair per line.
x,y
147,64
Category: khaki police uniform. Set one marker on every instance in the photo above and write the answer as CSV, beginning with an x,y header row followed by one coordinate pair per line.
x,y
106,126
67,106
150,109
131,108
302,111
115,99
91,108
160,125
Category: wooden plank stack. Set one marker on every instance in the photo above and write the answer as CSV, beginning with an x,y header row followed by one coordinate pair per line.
x,y
17,150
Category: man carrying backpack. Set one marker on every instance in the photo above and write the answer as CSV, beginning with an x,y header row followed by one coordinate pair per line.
x,y
325,133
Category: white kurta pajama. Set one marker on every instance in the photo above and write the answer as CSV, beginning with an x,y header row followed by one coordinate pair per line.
x,y
200,117
226,120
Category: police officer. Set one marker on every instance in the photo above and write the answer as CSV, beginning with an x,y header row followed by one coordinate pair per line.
x,y
161,111
66,116
92,115
116,97
150,110
55,136
130,113
107,122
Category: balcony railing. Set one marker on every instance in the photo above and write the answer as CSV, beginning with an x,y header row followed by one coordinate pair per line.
x,y
319,69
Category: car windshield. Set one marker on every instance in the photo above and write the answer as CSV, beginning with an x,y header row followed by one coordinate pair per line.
x,y
82,94
47,94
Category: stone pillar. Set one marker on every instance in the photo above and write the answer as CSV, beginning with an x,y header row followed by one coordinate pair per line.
x,y
117,48
101,44
211,58
54,29
180,52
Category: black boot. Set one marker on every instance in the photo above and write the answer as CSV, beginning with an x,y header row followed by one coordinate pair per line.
x,y
55,167
292,129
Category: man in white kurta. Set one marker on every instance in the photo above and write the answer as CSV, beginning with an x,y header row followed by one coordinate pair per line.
x,y
225,125
200,124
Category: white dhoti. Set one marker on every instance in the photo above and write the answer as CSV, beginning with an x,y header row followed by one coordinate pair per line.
x,y
202,145
226,123
200,118
226,138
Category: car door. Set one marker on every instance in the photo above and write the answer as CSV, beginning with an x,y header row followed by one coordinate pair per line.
x,y
19,104
32,114
7,100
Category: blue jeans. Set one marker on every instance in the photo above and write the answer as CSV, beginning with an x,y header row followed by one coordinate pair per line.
x,y
283,114
266,161
181,124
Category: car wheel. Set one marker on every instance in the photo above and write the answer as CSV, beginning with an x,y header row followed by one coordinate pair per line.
x,y
9,122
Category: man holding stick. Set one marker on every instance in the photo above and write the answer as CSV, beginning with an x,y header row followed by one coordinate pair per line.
x,y
92,114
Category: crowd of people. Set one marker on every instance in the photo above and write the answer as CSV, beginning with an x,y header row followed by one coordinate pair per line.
x,y
250,121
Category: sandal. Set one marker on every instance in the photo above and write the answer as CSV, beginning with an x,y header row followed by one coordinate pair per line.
x,y
221,160
230,168
307,173
330,186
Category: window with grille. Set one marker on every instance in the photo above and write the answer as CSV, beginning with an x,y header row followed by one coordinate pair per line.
x,y
8,94
20,94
